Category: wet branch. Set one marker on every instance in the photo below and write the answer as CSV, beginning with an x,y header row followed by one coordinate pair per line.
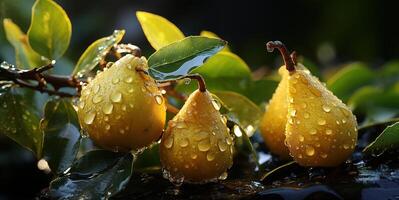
x,y
37,79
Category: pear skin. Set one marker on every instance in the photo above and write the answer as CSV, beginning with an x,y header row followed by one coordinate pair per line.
x,y
272,125
197,145
122,109
321,130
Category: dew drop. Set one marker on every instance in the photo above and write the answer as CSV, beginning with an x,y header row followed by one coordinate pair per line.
x,y
183,142
346,146
229,140
204,145
89,117
158,99
210,156
304,105
321,122
122,131
293,112
168,142
115,80
116,97
193,156
310,150
96,88
124,107
301,138
323,155
223,176
326,108
97,99
107,127
329,132
306,115
222,145
315,91
129,79
216,104
344,121
200,135
130,90
81,104
107,108
180,125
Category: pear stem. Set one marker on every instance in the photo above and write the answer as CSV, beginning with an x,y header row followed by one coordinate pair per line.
x,y
288,60
200,80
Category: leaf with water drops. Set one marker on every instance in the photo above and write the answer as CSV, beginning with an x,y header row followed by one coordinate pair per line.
x,y
61,130
388,139
96,52
158,30
102,185
242,143
349,79
19,120
25,56
103,159
180,58
50,29
241,110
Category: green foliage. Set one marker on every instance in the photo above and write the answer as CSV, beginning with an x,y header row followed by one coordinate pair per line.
x,y
159,31
19,120
103,184
50,29
348,79
387,140
61,129
96,52
25,56
179,58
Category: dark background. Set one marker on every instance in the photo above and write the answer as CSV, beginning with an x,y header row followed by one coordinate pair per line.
x,y
329,33
326,32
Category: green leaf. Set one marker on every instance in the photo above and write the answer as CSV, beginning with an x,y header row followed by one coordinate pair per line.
x,y
180,58
25,57
149,160
388,139
103,159
260,91
50,29
19,121
389,74
158,30
210,34
375,104
96,52
97,186
61,129
349,79
241,110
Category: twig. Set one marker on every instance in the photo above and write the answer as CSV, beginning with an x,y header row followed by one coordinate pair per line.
x,y
23,78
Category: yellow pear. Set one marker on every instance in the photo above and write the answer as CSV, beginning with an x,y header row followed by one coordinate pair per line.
x,y
196,145
321,130
272,125
122,108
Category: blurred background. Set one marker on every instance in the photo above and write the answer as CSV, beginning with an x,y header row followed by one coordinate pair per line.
x,y
328,33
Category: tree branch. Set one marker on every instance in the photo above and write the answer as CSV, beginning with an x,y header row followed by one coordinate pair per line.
x,y
26,78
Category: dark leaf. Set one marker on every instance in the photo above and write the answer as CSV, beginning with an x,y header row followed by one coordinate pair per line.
x,y
61,130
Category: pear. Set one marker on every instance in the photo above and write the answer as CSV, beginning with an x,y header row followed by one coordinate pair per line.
x,y
196,146
272,125
320,130
122,108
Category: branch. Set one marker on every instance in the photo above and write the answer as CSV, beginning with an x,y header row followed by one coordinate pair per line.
x,y
24,78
